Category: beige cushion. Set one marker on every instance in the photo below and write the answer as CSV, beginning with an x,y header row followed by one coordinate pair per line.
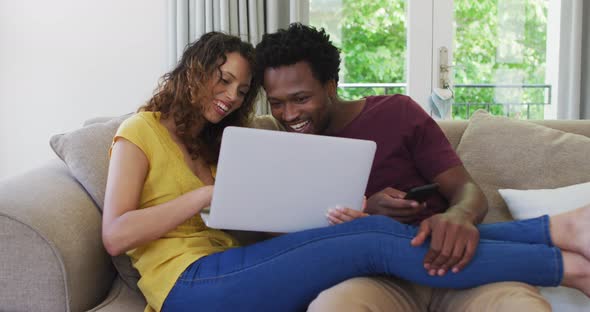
x,y
507,153
85,152
121,298
453,130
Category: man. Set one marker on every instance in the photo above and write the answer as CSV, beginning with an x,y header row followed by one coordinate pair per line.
x,y
299,67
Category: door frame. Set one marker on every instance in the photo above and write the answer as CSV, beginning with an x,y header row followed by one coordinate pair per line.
x,y
430,26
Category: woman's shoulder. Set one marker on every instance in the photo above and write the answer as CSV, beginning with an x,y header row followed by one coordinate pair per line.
x,y
141,128
141,120
141,123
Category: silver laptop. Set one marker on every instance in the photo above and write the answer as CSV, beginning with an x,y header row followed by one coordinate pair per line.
x,y
277,181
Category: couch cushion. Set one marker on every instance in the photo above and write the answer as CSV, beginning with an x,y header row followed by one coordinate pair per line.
x,y
85,152
524,204
121,299
505,153
453,130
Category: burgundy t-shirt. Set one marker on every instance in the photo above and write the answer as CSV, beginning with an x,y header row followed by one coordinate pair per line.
x,y
411,147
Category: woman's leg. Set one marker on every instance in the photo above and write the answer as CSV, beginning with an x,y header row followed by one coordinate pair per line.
x,y
528,231
569,231
287,272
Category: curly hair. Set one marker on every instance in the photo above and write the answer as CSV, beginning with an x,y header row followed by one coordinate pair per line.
x,y
182,92
299,43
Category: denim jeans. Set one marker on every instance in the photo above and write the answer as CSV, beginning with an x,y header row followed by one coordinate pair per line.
x,y
286,273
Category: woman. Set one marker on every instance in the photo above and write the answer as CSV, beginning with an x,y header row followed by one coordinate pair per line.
x,y
161,174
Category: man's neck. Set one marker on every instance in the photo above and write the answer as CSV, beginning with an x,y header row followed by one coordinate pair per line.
x,y
344,112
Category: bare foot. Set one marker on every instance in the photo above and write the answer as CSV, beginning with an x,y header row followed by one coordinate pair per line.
x,y
576,272
571,231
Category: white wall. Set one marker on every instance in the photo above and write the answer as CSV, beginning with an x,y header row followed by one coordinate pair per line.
x,y
65,61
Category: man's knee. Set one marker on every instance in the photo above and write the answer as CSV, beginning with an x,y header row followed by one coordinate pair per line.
x,y
505,296
365,294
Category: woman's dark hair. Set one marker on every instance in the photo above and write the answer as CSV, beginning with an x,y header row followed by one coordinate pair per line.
x,y
182,91
299,43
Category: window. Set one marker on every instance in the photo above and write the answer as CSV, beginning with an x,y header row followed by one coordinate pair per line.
x,y
498,48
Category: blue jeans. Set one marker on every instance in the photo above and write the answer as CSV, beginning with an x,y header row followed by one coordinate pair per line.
x,y
286,273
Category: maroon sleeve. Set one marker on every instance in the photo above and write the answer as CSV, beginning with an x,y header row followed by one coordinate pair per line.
x,y
430,148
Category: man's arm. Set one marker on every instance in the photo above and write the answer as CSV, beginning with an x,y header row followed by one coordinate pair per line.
x,y
464,195
454,233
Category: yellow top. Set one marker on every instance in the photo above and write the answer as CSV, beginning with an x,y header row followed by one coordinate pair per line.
x,y
162,261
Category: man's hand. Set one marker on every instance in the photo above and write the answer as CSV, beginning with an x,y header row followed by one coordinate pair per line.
x,y
453,244
389,202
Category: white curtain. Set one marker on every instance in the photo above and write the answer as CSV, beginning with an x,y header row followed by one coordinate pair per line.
x,y
249,19
570,60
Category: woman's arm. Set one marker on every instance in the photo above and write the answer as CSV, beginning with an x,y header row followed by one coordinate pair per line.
x,y
124,226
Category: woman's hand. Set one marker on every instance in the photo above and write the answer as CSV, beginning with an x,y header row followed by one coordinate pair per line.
x,y
206,195
341,214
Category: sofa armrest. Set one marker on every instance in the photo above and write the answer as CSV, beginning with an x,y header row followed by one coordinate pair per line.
x,y
51,258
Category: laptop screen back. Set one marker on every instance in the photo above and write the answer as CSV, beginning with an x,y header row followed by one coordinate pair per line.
x,y
283,182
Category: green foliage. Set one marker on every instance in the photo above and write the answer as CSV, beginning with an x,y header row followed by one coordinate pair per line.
x,y
372,37
355,93
501,42
374,40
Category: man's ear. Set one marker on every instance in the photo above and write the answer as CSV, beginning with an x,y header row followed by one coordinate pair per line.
x,y
331,87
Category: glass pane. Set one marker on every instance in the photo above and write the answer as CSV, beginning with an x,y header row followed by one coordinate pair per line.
x,y
372,37
500,48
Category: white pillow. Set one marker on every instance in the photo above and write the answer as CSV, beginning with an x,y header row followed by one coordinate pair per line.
x,y
524,204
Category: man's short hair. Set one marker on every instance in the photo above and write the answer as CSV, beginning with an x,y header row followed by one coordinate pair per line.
x,y
299,43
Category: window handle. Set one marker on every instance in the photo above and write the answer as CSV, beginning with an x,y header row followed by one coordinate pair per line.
x,y
444,81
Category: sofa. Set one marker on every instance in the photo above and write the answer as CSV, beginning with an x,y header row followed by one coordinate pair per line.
x,y
52,257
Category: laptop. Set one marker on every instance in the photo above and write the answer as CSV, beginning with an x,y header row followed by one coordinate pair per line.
x,y
275,181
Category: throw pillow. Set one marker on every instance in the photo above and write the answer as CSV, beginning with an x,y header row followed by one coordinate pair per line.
x,y
505,153
524,204
85,152
533,203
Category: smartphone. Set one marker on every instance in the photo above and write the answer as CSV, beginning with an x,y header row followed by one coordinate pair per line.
x,y
422,193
